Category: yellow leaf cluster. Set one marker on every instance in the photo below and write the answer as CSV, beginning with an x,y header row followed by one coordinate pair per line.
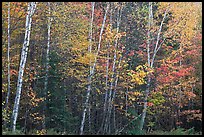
x,y
133,96
109,34
139,76
183,21
112,35
86,59
41,132
136,93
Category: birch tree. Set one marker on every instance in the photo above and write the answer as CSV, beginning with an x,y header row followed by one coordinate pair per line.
x,y
90,49
8,58
30,11
89,78
46,65
92,71
111,95
150,61
107,76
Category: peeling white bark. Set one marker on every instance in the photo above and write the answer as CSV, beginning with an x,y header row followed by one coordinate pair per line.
x,y
31,10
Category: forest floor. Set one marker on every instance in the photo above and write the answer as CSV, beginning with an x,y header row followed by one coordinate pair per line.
x,y
179,131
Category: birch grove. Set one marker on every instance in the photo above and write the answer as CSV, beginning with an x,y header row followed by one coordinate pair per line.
x,y
151,60
101,68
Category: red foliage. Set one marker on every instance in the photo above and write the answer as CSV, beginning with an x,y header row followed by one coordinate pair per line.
x,y
13,72
131,53
150,104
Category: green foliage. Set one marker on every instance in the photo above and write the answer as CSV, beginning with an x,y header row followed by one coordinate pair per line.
x,y
178,131
157,99
8,132
133,128
52,132
136,132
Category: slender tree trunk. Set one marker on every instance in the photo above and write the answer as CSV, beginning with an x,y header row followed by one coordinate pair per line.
x,y
149,61
148,34
8,58
107,123
89,117
92,71
126,92
180,92
31,10
90,49
25,122
158,38
107,77
114,93
106,93
65,102
145,103
46,68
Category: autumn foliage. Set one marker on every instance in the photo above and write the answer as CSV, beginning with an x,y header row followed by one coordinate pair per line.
x,y
146,64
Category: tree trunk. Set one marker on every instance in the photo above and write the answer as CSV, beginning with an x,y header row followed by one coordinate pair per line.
x,y
107,76
8,57
90,49
110,97
145,104
114,93
46,68
151,63
31,10
92,72
158,38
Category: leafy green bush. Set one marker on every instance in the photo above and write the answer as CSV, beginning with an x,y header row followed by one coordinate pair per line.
x,y
136,132
7,132
52,132
179,131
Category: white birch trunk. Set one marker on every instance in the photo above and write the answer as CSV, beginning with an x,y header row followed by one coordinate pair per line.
x,y
113,98
90,49
145,104
150,63
106,93
100,38
91,74
31,10
89,78
112,77
107,74
89,117
8,56
148,33
8,59
46,67
158,38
